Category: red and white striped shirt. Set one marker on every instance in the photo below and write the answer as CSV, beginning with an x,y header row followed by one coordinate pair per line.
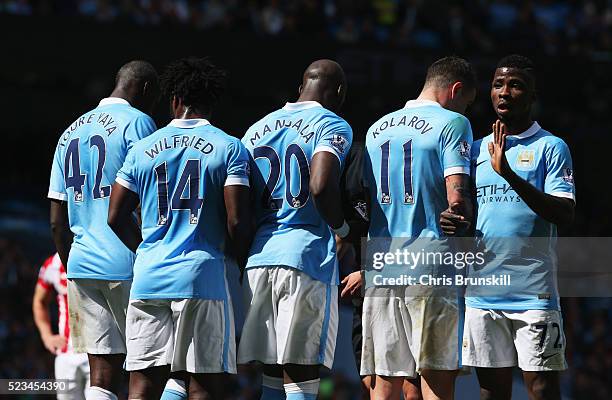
x,y
53,275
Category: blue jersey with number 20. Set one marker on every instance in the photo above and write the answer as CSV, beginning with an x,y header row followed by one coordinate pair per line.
x,y
85,164
179,174
290,230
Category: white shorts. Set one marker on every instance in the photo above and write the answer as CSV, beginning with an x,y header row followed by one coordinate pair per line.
x,y
96,313
74,367
193,335
531,339
291,318
404,334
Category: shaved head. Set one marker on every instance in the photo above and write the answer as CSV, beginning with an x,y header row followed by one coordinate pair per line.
x,y
326,71
324,81
135,72
137,82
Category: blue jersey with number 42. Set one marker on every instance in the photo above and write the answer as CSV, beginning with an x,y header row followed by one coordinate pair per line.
x,y
179,174
409,152
85,164
290,230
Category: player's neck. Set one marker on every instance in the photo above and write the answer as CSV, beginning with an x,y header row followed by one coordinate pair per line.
x,y
431,94
518,127
122,94
314,94
191,113
309,97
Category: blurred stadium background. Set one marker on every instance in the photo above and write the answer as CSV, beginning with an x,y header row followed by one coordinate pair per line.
x,y
60,57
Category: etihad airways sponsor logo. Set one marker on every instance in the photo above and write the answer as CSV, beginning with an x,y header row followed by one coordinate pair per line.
x,y
497,193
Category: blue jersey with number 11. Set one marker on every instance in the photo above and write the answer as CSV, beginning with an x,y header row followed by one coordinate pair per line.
x,y
409,152
85,164
290,230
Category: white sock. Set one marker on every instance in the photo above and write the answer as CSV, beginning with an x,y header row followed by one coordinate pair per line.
x,y
307,389
97,393
175,389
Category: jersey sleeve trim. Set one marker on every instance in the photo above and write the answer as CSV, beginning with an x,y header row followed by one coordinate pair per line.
x,y
126,184
565,195
456,171
327,149
57,195
43,284
238,180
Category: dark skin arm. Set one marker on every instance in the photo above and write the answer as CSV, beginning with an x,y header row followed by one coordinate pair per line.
x,y
557,210
325,188
237,206
122,203
60,229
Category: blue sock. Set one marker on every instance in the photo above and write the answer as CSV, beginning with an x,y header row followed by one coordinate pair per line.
x,y
268,393
174,390
272,388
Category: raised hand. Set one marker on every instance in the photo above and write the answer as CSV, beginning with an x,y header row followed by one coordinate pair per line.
x,y
497,149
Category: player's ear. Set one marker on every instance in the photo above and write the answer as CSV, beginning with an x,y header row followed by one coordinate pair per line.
x,y
300,89
455,88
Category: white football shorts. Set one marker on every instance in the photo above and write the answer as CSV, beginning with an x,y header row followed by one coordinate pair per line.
x,y
291,318
96,314
193,335
531,339
405,334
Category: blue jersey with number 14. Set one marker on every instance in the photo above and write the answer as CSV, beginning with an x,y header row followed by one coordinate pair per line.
x,y
85,164
290,230
179,174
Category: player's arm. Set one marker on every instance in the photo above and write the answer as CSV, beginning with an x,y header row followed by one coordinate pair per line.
x,y
457,219
122,203
60,229
325,190
554,209
238,209
40,311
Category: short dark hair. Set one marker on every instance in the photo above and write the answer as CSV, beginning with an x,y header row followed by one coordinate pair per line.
x,y
449,70
196,81
518,62
137,71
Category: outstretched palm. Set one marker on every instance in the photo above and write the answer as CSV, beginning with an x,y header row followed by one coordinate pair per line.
x,y
497,149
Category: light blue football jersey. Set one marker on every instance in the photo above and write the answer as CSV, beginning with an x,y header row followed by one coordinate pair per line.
x,y
544,161
85,164
409,152
179,174
290,230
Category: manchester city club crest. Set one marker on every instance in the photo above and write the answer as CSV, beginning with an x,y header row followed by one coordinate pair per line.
x,y
525,160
